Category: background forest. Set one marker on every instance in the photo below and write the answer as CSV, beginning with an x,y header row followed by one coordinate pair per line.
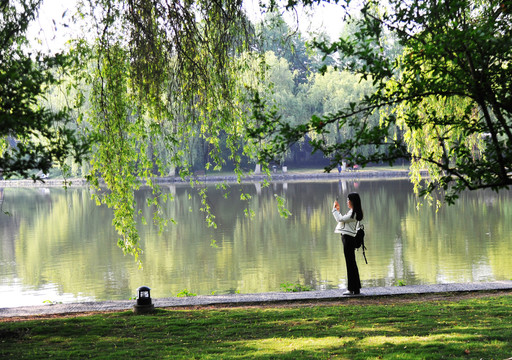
x,y
291,83
147,88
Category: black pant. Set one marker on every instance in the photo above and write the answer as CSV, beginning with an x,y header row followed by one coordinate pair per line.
x,y
354,283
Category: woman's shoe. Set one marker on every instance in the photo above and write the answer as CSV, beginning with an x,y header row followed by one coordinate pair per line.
x,y
351,293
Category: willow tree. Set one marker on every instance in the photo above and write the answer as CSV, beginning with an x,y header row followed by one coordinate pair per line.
x,y
445,102
166,70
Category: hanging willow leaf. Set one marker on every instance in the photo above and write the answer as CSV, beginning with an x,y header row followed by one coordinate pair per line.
x,y
167,76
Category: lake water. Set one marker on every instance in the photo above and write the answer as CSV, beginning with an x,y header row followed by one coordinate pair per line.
x,y
56,245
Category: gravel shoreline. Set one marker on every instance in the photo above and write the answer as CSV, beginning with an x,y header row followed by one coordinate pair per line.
x,y
270,298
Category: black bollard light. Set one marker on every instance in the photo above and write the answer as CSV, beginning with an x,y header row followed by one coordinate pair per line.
x,y
144,304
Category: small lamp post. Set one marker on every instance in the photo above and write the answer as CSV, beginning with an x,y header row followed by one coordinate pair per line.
x,y
143,304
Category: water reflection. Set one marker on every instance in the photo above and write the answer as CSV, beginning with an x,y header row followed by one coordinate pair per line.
x,y
59,246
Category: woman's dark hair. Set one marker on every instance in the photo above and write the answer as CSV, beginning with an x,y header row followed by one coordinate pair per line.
x,y
357,210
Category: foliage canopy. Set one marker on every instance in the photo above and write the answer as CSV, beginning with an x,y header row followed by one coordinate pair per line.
x,y
444,102
32,137
165,80
155,81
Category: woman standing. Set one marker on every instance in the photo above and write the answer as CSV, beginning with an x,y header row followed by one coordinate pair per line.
x,y
347,227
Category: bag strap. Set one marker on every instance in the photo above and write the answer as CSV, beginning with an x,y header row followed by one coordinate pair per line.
x,y
359,225
362,242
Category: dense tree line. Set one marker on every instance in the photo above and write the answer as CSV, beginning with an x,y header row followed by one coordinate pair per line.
x,y
443,98
32,137
289,79
152,88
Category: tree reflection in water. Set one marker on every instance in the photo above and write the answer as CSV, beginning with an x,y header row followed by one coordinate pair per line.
x,y
60,240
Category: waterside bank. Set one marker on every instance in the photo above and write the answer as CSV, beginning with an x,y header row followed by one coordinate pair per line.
x,y
256,299
279,176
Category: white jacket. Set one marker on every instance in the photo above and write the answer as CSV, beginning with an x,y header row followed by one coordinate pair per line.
x,y
346,224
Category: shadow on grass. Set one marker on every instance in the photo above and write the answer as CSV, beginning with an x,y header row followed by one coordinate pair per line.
x,y
467,329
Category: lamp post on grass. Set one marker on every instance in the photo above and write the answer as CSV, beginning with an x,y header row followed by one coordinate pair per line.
x,y
144,304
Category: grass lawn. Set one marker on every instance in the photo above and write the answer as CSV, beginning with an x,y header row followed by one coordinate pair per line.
x,y
444,328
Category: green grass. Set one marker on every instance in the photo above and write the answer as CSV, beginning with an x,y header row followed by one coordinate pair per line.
x,y
479,328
